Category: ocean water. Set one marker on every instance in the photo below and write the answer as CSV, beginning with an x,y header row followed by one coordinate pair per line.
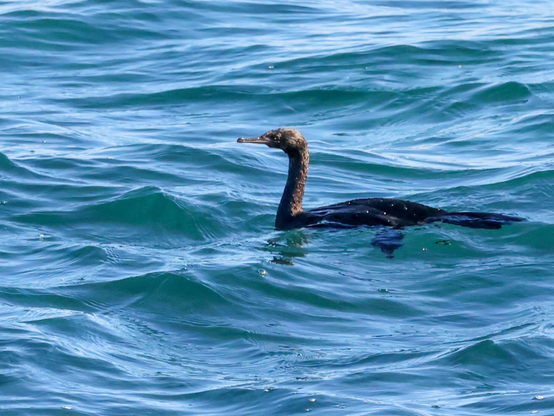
x,y
140,270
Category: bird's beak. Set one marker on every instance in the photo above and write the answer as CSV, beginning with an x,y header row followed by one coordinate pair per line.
x,y
260,140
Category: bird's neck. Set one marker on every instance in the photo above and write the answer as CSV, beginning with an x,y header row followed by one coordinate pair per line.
x,y
291,201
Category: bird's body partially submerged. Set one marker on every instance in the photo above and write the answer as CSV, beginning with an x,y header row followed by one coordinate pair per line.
x,y
377,211
371,212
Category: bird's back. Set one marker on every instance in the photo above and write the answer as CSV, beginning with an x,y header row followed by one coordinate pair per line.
x,y
374,211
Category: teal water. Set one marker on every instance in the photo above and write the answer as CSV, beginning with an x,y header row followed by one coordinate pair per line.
x,y
140,270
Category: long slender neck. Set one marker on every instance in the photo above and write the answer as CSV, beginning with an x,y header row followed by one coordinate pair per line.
x,y
291,201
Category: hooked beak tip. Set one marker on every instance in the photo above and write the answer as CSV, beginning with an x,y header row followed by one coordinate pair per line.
x,y
260,140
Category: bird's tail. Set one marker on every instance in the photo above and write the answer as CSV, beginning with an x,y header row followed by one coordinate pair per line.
x,y
485,220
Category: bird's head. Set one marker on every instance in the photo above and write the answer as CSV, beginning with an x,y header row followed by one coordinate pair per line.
x,y
288,139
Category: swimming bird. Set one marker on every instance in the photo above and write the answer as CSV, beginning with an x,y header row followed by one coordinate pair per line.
x,y
387,212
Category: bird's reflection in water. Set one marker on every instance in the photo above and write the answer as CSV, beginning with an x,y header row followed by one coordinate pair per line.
x,y
290,244
287,246
388,240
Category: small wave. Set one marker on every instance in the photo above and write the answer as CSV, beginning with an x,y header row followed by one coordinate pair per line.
x,y
9,168
481,353
162,291
146,207
504,93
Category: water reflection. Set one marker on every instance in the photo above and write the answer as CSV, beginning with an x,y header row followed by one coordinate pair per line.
x,y
287,246
290,244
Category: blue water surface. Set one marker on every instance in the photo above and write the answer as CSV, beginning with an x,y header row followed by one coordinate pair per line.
x,y
140,270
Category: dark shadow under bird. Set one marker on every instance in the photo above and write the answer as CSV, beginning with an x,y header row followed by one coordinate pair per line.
x,y
383,212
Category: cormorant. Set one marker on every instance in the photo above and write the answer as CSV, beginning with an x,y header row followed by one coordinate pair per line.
x,y
394,213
